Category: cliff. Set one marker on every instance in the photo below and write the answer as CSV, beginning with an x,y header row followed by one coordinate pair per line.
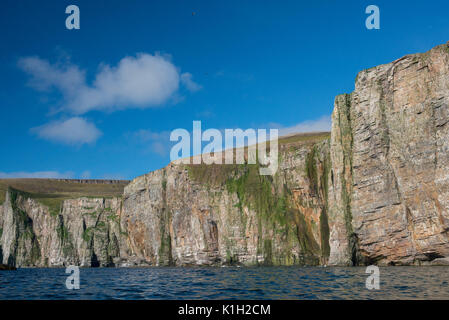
x,y
390,161
374,191
86,232
215,214
182,215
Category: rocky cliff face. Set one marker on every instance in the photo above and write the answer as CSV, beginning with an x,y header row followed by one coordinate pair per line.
x,y
216,214
375,192
184,215
86,232
389,151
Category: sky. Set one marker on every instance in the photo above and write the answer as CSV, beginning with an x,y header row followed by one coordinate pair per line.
x,y
100,102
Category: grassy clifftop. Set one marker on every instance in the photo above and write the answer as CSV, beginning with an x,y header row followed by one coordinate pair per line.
x,y
51,192
304,138
218,174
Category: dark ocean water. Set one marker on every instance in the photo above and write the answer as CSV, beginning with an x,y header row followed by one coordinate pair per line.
x,y
227,283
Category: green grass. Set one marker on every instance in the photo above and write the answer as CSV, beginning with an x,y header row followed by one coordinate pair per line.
x,y
304,138
52,192
211,175
217,174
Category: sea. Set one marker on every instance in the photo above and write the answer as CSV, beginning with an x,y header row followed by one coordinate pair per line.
x,y
234,283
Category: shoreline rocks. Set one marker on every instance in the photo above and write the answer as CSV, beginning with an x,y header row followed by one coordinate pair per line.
x,y
4,267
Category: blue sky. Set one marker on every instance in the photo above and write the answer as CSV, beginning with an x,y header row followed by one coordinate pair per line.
x,y
100,102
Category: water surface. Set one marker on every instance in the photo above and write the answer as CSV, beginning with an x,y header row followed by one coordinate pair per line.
x,y
227,283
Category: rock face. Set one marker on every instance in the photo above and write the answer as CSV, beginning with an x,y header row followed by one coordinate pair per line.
x,y
86,232
389,151
184,215
375,192
216,214
4,267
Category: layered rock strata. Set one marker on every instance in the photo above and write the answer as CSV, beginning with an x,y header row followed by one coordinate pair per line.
x,y
376,191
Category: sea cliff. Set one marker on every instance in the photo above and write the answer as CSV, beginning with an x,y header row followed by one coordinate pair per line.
x,y
373,191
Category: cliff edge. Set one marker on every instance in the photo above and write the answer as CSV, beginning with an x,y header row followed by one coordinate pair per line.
x,y
373,191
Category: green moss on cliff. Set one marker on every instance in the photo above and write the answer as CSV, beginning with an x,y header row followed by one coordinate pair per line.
x,y
88,234
255,191
305,238
319,184
101,225
113,217
26,245
311,169
324,220
345,125
165,249
258,193
324,233
268,251
35,254
63,232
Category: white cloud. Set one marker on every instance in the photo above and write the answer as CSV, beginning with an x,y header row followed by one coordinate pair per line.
x,y
322,124
136,82
74,131
159,142
69,79
38,174
186,80
160,148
